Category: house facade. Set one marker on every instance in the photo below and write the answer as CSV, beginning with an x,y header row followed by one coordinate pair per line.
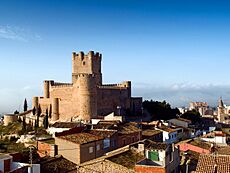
x,y
160,157
80,147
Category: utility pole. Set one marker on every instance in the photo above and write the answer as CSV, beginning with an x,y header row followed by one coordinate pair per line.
x,y
31,159
187,164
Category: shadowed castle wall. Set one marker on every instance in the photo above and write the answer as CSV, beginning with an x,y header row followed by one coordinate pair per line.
x,y
110,97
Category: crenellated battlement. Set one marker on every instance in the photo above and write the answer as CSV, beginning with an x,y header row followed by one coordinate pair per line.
x,y
87,64
115,86
85,75
83,57
61,84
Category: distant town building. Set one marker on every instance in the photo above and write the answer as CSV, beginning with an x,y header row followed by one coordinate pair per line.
x,y
200,107
183,110
223,112
170,135
217,137
182,122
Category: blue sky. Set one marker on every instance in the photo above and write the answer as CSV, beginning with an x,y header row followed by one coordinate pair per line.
x,y
176,51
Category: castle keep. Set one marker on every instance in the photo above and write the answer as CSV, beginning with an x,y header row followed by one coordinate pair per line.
x,y
86,97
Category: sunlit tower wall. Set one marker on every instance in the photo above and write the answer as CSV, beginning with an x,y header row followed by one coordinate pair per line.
x,y
87,64
87,94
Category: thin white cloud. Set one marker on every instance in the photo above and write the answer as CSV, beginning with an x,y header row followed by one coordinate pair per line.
x,y
26,87
180,94
189,86
17,33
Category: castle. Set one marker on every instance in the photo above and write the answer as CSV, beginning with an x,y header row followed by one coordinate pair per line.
x,y
86,97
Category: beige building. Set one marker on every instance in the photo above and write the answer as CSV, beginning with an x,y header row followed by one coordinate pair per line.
x,y
223,112
86,97
80,147
201,107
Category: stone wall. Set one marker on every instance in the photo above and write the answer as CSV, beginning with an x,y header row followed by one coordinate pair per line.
x,y
85,155
126,139
110,98
77,153
68,150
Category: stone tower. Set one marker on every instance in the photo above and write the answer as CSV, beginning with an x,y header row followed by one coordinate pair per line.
x,y
220,110
87,64
87,94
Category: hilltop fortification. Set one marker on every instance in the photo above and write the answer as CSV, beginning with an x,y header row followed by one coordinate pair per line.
x,y
86,97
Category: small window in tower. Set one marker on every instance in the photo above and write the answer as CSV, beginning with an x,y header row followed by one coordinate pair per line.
x,y
83,63
90,149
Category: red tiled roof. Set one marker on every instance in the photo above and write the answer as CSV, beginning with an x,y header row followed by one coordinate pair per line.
x,y
65,125
81,138
128,128
213,163
102,133
150,132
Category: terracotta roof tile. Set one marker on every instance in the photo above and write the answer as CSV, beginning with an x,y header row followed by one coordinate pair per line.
x,y
102,133
150,132
213,163
166,128
128,128
155,145
65,125
81,138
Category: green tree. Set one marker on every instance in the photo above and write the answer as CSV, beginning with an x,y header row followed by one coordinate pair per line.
x,y
25,105
34,111
50,111
46,120
16,112
160,110
192,115
24,118
39,111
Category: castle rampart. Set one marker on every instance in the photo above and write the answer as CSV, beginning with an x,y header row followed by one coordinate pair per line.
x,y
61,84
